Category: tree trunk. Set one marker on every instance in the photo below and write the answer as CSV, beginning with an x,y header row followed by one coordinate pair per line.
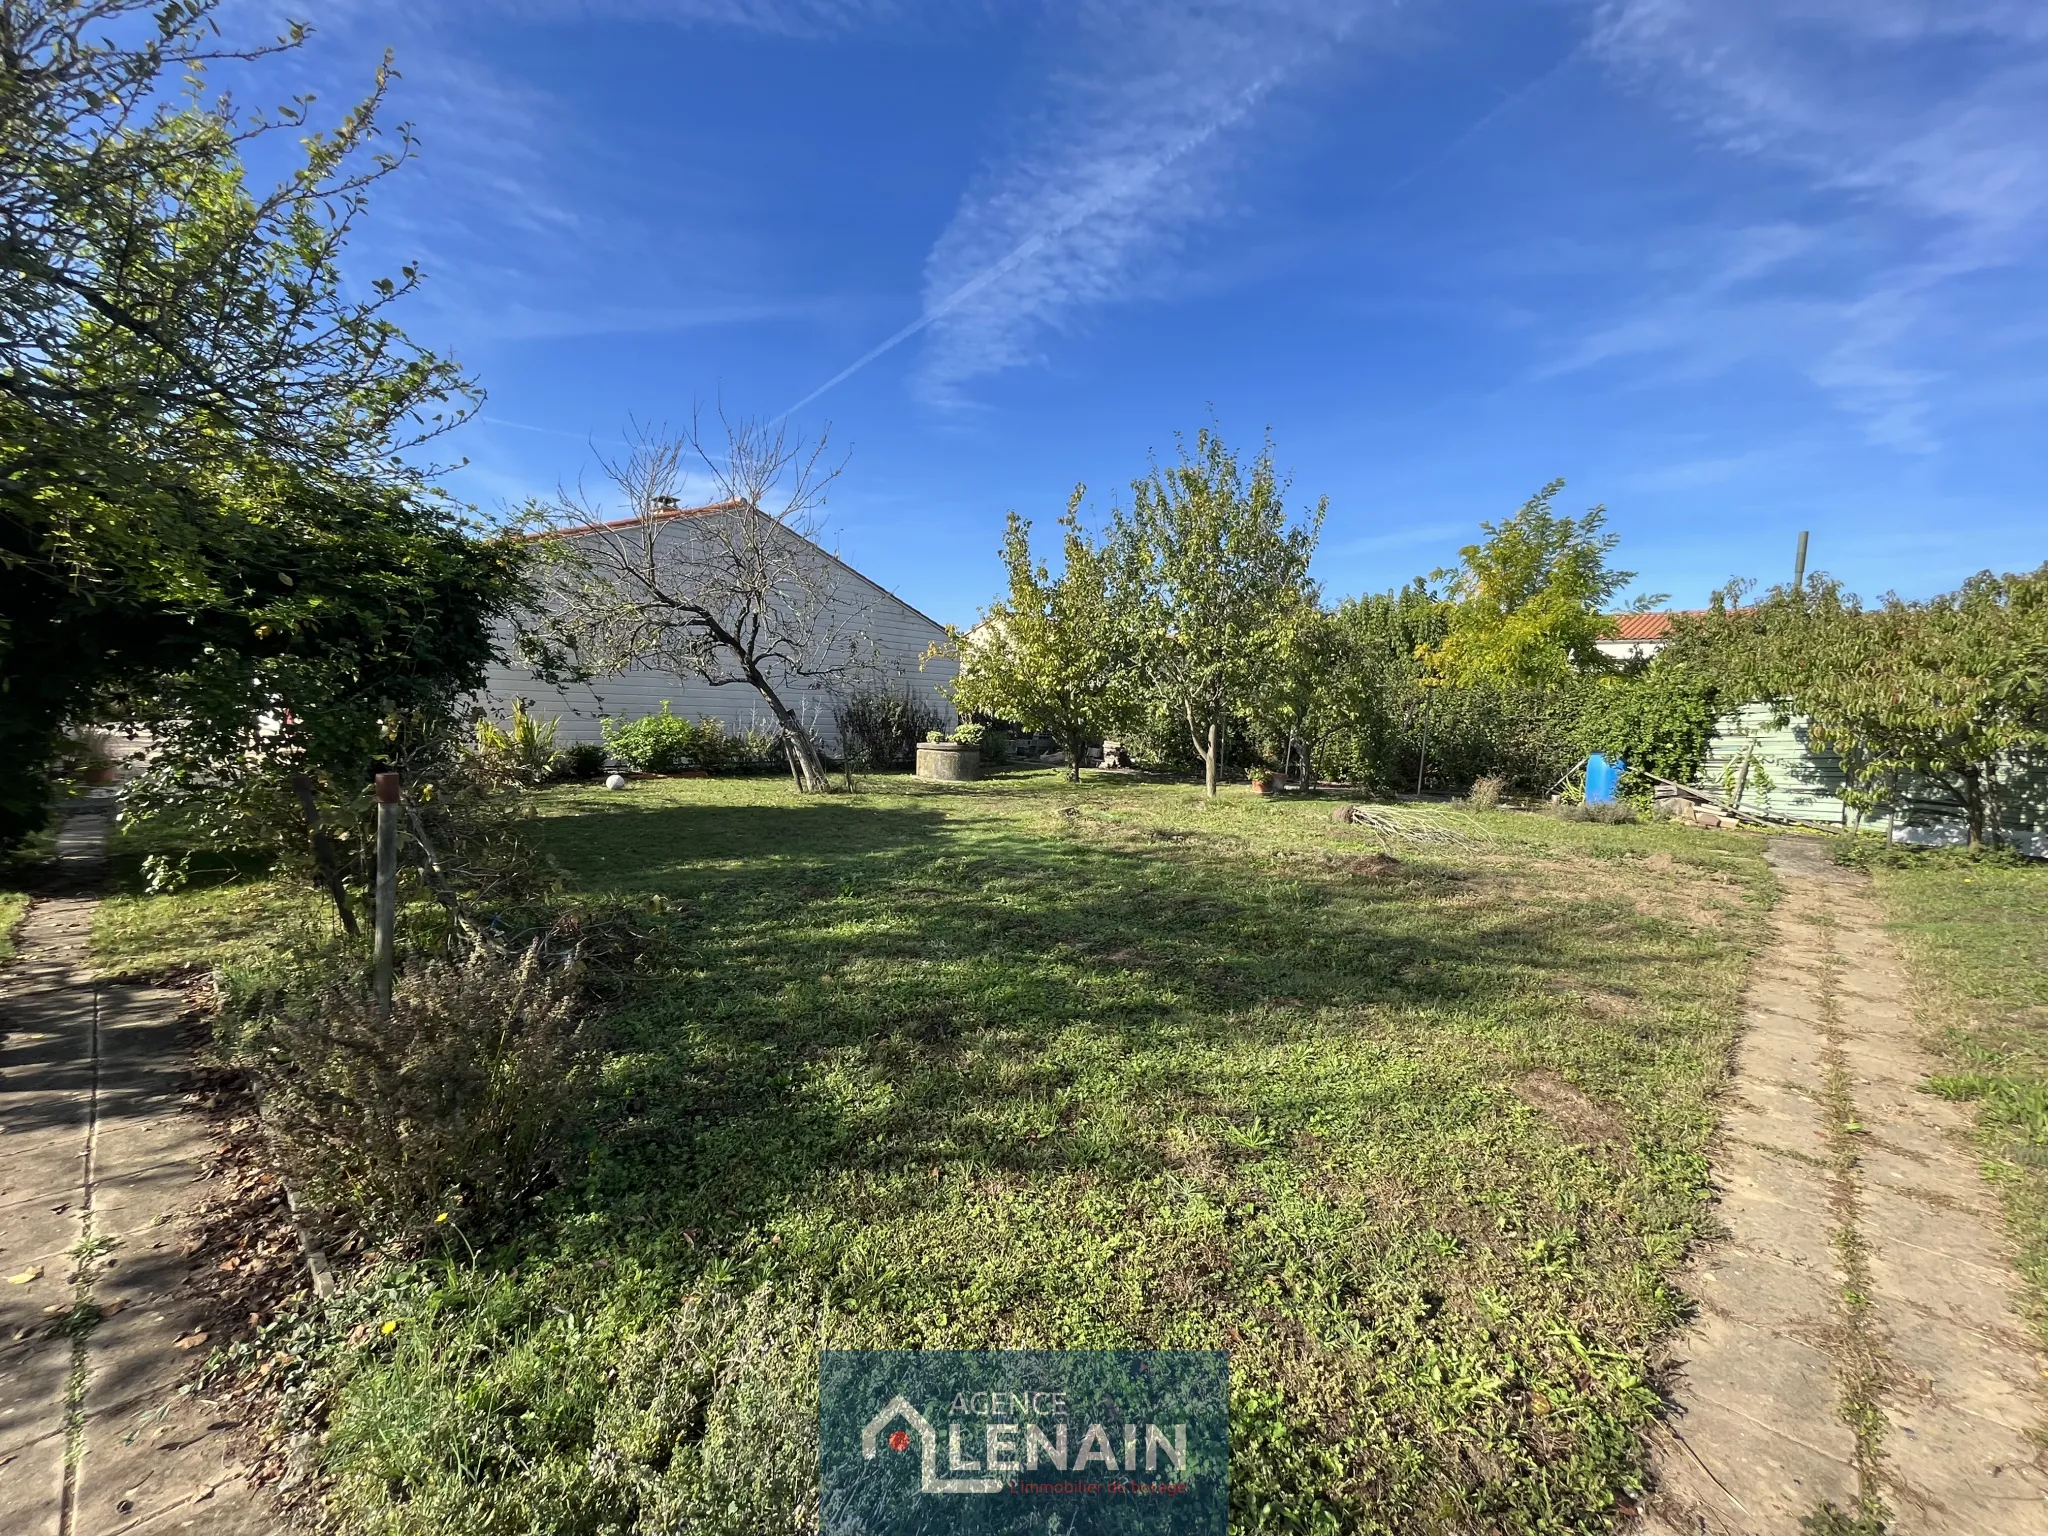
x,y
1973,806
1209,759
1075,745
811,778
805,766
323,854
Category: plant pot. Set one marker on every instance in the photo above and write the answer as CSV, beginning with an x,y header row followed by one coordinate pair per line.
x,y
1262,786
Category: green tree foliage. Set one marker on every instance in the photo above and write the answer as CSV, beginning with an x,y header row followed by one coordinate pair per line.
x,y
1309,697
1929,704
1055,654
1526,601
1389,635
204,522
1214,574
1659,721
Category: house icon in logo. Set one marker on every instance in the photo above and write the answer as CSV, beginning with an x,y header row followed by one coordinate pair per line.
x,y
899,1408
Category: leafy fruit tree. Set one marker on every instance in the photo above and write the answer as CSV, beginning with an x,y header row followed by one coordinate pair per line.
x,y
737,592
1213,572
1312,692
1526,601
1928,702
205,523
1055,654
1930,705
1380,686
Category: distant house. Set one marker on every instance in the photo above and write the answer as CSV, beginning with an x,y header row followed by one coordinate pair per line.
x,y
1639,636
897,637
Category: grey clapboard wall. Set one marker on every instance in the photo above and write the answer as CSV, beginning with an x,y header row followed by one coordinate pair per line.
x,y
899,634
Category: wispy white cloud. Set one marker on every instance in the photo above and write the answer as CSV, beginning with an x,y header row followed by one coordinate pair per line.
x,y
785,18
1129,152
1927,120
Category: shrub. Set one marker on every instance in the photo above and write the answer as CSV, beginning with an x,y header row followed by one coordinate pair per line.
x,y
1608,813
652,744
523,753
712,749
1485,792
667,743
717,750
583,760
882,730
971,734
1659,722
462,1096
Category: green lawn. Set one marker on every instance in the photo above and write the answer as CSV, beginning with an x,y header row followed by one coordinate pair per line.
x,y
227,913
1975,934
1019,1064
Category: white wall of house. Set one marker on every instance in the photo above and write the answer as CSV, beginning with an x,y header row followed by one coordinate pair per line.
x,y
1629,650
897,633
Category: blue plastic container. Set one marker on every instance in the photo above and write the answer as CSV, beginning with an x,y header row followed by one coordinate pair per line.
x,y
1601,778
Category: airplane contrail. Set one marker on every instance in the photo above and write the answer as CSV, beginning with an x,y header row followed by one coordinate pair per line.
x,y
1032,244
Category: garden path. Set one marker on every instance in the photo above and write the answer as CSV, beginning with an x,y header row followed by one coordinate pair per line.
x,y
97,1155
1859,1343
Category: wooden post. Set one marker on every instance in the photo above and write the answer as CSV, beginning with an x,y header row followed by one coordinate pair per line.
x,y
1742,779
1422,762
387,888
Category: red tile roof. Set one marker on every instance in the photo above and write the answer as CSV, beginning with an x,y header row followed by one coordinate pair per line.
x,y
1640,626
1648,626
732,505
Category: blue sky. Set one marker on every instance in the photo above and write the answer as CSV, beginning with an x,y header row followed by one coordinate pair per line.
x,y
1731,267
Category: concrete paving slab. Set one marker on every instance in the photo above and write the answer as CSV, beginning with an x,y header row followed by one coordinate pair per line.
x,y
162,1461
1951,1472
34,1377
1938,1368
32,1487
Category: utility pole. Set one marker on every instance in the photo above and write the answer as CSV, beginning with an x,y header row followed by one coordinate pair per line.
x,y
387,889
1799,567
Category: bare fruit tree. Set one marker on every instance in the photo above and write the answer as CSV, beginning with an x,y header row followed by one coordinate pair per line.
x,y
737,591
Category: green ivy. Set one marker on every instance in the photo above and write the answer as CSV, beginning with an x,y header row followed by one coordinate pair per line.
x,y
1658,721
